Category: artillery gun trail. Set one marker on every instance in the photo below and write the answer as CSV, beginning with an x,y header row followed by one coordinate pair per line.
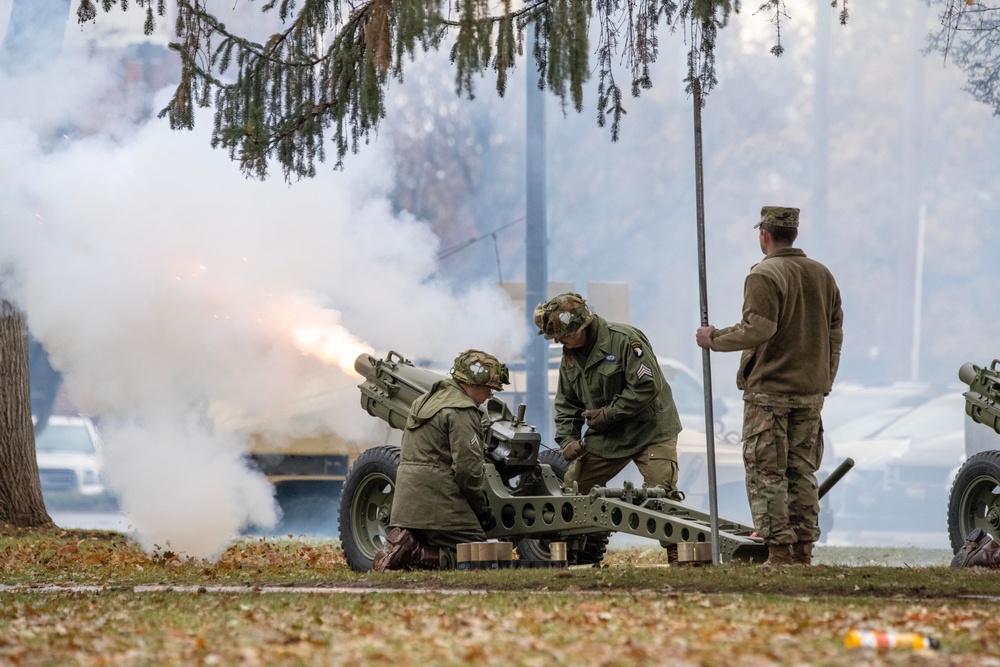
x,y
532,506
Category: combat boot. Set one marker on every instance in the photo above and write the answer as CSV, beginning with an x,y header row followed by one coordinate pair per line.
x,y
426,558
778,554
802,553
973,541
398,551
987,555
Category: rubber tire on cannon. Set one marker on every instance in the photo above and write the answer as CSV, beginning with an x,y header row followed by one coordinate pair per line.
x,y
366,503
975,498
594,548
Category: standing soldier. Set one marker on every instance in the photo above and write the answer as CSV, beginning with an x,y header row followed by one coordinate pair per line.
x,y
609,379
440,498
790,334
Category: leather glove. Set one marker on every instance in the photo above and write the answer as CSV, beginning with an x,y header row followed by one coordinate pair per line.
x,y
486,519
597,420
572,450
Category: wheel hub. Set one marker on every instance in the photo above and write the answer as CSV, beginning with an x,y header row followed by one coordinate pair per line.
x,y
993,517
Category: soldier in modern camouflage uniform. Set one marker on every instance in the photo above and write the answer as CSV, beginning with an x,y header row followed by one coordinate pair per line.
x,y
609,379
440,498
790,334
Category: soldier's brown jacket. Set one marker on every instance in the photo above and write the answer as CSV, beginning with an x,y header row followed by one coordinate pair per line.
x,y
792,327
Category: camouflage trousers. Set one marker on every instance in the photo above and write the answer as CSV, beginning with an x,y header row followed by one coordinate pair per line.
x,y
782,450
657,463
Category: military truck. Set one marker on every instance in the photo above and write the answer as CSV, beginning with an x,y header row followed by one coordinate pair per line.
x,y
974,501
307,468
308,475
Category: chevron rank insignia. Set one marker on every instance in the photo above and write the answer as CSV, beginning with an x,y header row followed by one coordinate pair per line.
x,y
644,371
637,348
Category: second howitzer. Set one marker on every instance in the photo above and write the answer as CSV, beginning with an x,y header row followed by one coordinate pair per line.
x,y
982,401
975,494
524,485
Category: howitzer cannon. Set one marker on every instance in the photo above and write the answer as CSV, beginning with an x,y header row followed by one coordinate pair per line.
x,y
524,485
975,494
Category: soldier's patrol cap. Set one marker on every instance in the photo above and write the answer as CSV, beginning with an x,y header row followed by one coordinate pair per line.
x,y
778,216
478,367
562,315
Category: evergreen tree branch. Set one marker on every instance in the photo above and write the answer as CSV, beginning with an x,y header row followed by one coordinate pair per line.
x,y
283,99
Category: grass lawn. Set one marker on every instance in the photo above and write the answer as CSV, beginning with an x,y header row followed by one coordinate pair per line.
x,y
93,598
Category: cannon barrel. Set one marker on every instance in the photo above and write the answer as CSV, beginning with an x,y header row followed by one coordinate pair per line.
x,y
391,385
982,401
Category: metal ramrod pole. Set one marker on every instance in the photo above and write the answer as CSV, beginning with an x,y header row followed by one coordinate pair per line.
x,y
713,498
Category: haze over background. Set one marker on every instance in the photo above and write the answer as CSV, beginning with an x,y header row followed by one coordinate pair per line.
x,y
188,306
162,282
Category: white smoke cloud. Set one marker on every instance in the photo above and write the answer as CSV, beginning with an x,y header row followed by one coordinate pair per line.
x,y
176,297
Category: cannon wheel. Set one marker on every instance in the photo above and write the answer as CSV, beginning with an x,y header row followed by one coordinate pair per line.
x,y
365,504
975,498
538,549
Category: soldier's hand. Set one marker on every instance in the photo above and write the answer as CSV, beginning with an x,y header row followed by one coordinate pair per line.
x,y
703,336
597,420
487,520
572,450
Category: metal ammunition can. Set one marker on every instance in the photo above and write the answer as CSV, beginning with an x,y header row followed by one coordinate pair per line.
x,y
505,554
488,555
694,553
463,555
557,554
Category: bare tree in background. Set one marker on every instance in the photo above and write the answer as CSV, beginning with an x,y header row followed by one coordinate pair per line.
x,y
970,37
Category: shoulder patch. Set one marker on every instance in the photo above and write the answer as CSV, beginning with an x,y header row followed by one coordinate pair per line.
x,y
637,349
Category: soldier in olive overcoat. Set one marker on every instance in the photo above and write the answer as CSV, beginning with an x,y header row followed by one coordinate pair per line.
x,y
440,497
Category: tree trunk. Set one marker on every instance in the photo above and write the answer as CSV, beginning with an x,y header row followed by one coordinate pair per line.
x,y
21,502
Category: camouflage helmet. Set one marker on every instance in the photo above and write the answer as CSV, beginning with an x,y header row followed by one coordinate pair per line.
x,y
562,315
477,367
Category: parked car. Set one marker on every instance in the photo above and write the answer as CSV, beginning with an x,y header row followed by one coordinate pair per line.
x,y
68,452
903,470
849,401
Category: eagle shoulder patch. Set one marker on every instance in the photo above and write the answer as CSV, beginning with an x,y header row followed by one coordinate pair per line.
x,y
637,349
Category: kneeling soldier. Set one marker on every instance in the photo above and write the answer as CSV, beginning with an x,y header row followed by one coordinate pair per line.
x,y
440,499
